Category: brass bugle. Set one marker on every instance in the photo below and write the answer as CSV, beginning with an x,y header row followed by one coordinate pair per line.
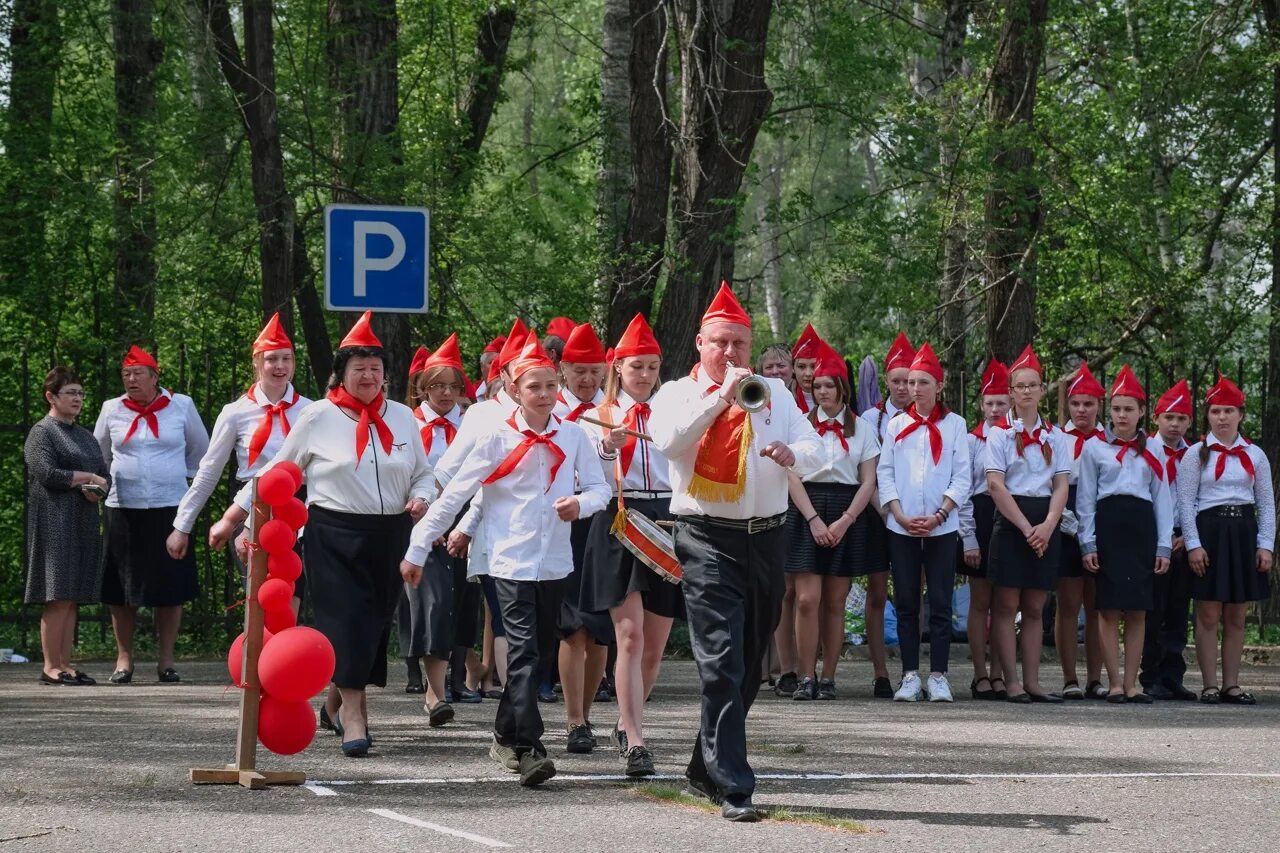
x,y
753,392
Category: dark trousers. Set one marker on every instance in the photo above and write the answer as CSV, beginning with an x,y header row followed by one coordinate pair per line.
x,y
1166,630
526,607
935,556
733,598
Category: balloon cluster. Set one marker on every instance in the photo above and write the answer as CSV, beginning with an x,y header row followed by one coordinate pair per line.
x,y
296,662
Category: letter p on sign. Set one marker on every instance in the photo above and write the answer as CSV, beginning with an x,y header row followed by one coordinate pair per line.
x,y
376,258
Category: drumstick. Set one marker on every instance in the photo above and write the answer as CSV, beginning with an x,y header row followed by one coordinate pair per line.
x,y
665,523
630,432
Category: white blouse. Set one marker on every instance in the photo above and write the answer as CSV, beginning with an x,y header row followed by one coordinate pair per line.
x,y
649,471
1072,438
837,464
323,444
906,472
977,439
1028,475
232,431
439,445
684,410
477,421
1199,490
1101,476
527,541
150,472
879,418
567,403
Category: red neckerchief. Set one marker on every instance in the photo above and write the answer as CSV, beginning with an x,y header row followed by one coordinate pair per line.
x,y
258,440
631,420
800,401
531,439
1241,453
1082,437
578,412
371,413
1032,436
931,424
980,431
145,413
1145,454
1172,457
834,426
429,430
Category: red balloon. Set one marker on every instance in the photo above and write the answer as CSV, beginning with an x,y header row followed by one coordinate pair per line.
x,y
285,727
276,487
276,537
235,657
280,620
297,665
286,566
274,594
294,471
292,512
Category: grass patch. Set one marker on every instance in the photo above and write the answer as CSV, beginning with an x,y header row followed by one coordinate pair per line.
x,y
780,814
776,748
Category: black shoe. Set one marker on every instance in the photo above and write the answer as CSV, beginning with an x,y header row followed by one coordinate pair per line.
x,y
1233,695
998,694
704,788
63,678
826,688
535,769
619,739
357,748
1139,698
1181,692
580,740
84,678
557,689
806,690
1159,691
466,696
1095,690
121,676
547,695
414,688
787,684
739,810
439,714
326,723
639,762
168,676
1045,698
602,694
882,689
414,682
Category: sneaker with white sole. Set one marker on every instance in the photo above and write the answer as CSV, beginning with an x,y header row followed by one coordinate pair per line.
x,y
909,689
939,689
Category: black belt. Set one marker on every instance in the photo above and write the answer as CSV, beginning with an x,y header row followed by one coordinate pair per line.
x,y
750,525
1231,510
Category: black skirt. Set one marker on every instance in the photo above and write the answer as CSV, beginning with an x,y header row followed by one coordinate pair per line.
x,y
1012,562
1126,538
849,557
573,617
611,572
425,615
1232,543
984,518
138,571
353,565
1071,563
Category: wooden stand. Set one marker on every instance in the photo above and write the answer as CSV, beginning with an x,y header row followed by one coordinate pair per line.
x,y
245,772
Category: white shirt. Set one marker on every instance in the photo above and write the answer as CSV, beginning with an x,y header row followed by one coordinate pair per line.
x,y
649,471
232,430
566,402
1028,475
426,415
837,464
323,444
977,439
477,421
1101,476
1198,490
683,412
879,418
527,539
150,472
1072,435
907,473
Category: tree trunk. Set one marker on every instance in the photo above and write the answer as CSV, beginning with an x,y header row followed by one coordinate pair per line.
x,y
723,102
1270,610
642,246
35,44
952,291
614,178
137,54
767,213
362,53
1012,208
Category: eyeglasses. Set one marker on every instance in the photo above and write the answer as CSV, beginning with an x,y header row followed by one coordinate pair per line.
x,y
71,393
437,387
1024,388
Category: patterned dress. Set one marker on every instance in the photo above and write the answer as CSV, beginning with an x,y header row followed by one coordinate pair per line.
x,y
64,535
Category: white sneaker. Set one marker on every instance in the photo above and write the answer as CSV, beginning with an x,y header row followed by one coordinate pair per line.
x,y
909,689
939,689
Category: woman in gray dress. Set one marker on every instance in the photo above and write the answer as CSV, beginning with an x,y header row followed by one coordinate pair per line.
x,y
66,478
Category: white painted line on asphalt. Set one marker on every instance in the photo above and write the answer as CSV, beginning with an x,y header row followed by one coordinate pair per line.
x,y
435,827
319,790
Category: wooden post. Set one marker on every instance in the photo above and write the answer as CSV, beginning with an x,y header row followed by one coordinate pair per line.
x,y
244,771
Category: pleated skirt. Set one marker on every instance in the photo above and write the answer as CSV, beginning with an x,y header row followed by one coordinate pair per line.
x,y
1232,544
850,557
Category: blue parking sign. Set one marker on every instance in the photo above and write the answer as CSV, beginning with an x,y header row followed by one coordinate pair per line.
x,y
375,258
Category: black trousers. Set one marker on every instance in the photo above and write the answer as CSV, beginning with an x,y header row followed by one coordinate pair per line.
x,y
733,598
526,607
936,556
1166,630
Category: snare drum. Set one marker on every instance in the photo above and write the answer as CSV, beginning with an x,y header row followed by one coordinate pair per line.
x,y
650,544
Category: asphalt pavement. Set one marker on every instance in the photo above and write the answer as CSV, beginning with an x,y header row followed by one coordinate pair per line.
x,y
105,768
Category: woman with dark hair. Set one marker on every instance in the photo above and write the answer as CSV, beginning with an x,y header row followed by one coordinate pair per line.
x,y
153,440
367,480
66,478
